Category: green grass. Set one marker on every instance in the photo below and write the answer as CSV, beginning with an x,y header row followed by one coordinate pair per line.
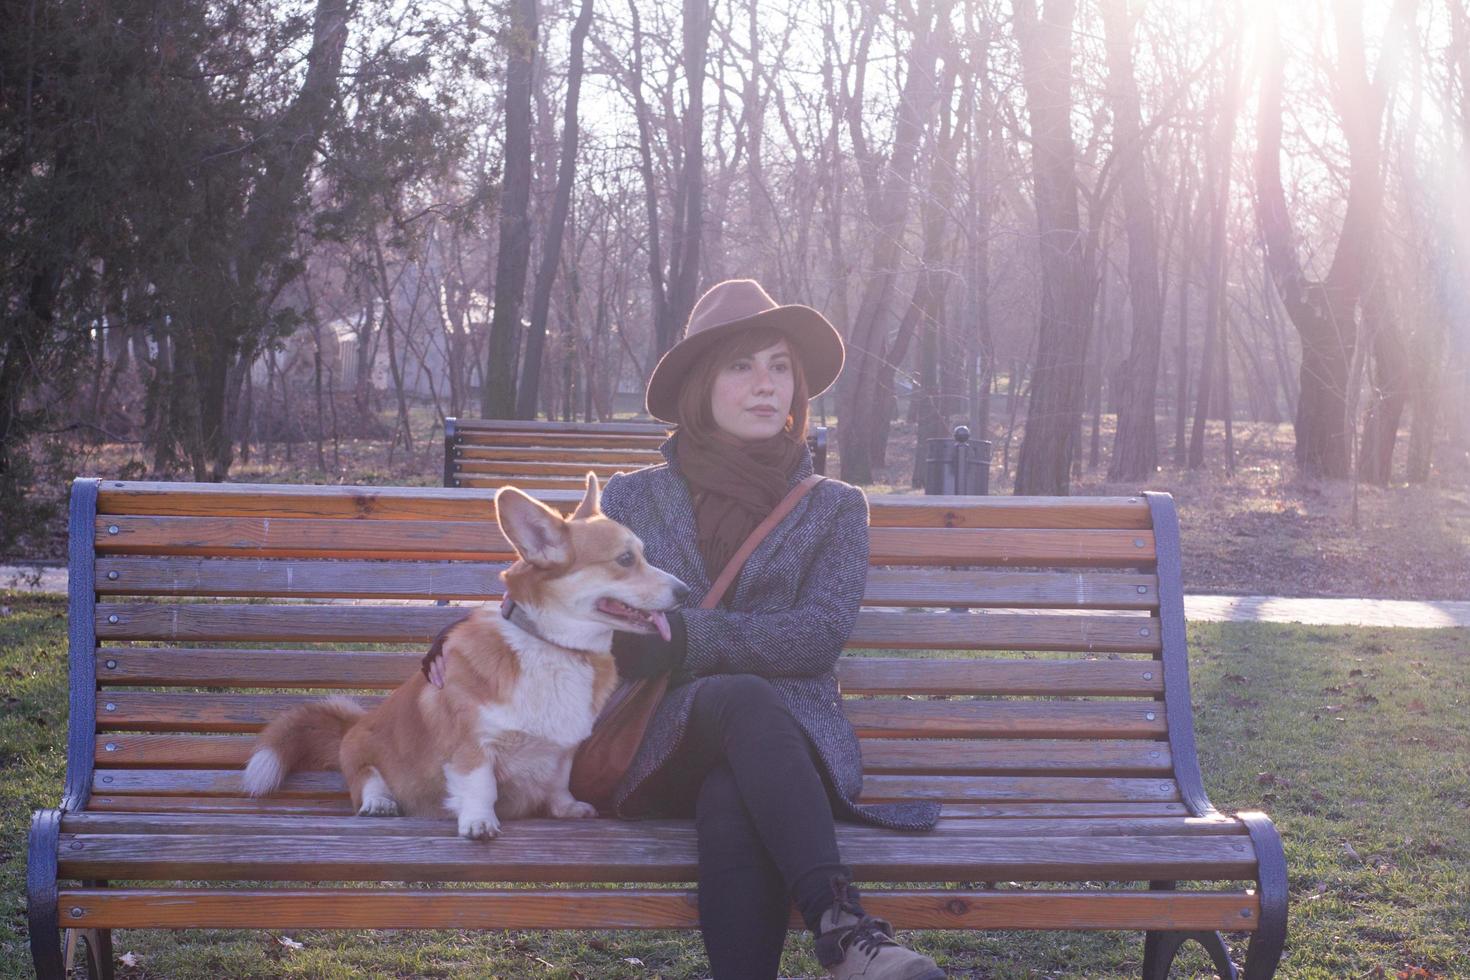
x,y
1356,741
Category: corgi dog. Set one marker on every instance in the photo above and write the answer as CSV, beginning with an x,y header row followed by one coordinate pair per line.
x,y
522,684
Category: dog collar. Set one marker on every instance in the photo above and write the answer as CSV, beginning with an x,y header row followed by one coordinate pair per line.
x,y
518,617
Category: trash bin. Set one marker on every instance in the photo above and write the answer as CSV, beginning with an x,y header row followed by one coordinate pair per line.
x,y
958,465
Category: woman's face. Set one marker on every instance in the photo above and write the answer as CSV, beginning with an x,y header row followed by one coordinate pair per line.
x,y
752,394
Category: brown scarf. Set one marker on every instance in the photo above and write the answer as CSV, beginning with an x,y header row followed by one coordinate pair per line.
x,y
734,485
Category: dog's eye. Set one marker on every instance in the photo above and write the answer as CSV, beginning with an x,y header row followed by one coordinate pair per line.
x,y
626,559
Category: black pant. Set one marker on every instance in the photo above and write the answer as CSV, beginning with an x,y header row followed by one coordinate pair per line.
x,y
763,819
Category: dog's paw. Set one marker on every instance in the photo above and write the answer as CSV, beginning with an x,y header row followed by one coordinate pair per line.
x,y
479,828
378,806
575,810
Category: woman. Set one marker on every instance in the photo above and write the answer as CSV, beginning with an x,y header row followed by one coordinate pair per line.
x,y
750,739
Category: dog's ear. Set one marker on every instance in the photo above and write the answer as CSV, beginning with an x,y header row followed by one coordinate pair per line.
x,y
589,507
537,532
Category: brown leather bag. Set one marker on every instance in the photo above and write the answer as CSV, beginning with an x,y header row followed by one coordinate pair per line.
x,y
604,757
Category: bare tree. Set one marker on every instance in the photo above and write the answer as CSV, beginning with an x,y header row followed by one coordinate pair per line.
x,y
1055,406
513,255
1135,448
861,395
562,203
1324,310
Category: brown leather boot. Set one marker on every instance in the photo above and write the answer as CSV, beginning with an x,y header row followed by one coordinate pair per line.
x,y
853,945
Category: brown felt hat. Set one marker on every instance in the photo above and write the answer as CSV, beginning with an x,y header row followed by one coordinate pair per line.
x,y
739,304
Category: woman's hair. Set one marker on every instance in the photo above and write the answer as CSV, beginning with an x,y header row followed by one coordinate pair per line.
x,y
695,415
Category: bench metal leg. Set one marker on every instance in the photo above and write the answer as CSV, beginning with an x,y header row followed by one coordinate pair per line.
x,y
1160,948
99,945
99,951
95,945
45,929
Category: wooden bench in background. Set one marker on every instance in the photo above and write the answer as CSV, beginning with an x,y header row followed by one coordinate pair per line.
x,y
536,455
1067,770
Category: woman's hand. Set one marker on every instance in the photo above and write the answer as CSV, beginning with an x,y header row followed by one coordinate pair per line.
x,y
432,665
648,655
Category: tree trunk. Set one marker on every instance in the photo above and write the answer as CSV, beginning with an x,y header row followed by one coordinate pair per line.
x,y
861,398
513,249
1391,383
220,348
561,204
1135,446
1325,312
1217,192
1054,411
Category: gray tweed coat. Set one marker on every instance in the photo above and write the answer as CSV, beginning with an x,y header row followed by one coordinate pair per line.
x,y
792,609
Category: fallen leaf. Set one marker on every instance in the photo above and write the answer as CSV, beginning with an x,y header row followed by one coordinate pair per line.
x,y
1237,678
1380,864
131,959
1265,779
1355,672
290,943
632,961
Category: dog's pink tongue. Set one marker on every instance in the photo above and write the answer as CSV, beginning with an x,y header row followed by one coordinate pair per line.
x,y
662,623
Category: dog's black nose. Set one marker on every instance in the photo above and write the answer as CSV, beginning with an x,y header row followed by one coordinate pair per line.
x,y
681,592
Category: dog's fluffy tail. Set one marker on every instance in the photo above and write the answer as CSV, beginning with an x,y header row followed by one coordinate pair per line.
x,y
308,737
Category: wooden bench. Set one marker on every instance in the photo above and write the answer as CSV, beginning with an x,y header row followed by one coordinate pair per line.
x,y
536,455
1068,771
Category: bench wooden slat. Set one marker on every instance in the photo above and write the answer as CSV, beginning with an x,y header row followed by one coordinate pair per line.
x,y
526,454
1023,547
1031,756
524,854
124,750
912,510
569,439
300,578
880,788
611,830
1001,631
878,717
268,500
438,503
185,667
1072,678
350,579
627,427
539,468
125,710
531,484
318,623
662,908
300,537
983,588
341,806
482,540
274,805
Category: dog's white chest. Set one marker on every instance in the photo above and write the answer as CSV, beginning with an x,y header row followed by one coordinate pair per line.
x,y
551,701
